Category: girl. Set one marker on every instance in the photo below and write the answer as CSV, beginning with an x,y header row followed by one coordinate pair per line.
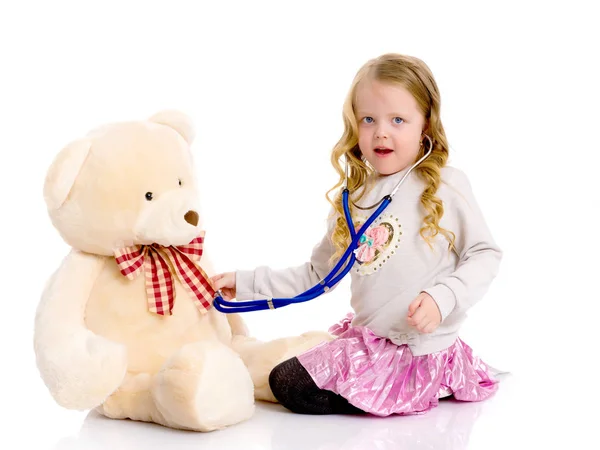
x,y
420,266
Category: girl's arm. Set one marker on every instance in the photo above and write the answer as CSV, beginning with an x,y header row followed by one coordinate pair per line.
x,y
479,255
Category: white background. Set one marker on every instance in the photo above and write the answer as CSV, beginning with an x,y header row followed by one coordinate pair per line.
x,y
264,84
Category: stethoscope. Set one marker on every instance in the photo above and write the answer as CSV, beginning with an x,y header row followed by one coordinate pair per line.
x,y
331,279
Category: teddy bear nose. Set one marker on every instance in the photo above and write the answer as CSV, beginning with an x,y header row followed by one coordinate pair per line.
x,y
191,217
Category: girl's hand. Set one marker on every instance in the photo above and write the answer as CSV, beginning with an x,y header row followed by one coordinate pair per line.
x,y
226,283
424,314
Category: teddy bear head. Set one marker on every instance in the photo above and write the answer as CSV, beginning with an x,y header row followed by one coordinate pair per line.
x,y
126,183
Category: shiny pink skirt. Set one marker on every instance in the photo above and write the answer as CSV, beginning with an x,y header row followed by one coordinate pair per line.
x,y
382,378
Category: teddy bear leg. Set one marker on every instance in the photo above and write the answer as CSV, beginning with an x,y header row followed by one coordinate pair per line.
x,y
262,357
205,386
133,400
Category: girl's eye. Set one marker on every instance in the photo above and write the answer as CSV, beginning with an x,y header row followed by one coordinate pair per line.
x,y
368,120
398,120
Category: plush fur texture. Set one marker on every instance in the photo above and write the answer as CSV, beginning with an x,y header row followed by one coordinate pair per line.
x,y
96,343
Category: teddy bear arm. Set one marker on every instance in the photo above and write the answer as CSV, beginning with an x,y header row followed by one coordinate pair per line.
x,y
80,368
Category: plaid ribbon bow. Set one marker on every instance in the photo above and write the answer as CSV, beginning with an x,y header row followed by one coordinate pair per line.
x,y
159,281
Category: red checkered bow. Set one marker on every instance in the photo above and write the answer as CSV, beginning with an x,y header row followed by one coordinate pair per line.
x,y
159,282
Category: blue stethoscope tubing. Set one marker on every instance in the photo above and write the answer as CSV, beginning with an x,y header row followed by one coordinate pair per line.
x,y
331,279
324,285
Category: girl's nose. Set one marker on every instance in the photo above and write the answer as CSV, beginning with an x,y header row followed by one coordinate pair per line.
x,y
381,133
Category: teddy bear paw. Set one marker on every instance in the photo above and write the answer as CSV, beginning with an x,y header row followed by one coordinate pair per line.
x,y
83,376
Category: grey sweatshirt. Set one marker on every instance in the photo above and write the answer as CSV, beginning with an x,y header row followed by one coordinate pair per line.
x,y
397,264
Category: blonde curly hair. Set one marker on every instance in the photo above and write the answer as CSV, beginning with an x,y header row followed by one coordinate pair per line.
x,y
414,75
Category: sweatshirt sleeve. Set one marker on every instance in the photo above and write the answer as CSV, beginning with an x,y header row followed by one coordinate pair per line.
x,y
265,282
479,256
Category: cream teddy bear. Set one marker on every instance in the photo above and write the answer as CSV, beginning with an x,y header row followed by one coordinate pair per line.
x,y
126,324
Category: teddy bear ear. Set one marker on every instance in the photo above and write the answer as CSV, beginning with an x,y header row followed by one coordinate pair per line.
x,y
177,120
63,171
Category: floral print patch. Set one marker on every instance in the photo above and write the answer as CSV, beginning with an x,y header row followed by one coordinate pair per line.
x,y
377,244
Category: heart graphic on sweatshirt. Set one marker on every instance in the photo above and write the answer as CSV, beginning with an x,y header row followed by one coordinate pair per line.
x,y
378,244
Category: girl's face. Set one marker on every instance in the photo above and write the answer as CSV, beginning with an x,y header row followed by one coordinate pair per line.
x,y
390,125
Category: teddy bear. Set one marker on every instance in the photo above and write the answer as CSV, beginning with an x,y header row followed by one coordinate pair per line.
x,y
125,325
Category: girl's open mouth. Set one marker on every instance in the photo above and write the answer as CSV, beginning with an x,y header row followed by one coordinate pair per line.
x,y
382,151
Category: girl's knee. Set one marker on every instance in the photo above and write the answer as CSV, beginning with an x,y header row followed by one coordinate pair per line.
x,y
280,379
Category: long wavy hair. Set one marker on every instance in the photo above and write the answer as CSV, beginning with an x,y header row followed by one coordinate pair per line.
x,y
414,75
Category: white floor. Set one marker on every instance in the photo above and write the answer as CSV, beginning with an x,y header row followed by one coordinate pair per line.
x,y
519,416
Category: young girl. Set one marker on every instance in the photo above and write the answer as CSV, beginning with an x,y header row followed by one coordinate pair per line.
x,y
420,266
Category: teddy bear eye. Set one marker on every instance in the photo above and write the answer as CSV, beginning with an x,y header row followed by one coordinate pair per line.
x,y
148,196
180,183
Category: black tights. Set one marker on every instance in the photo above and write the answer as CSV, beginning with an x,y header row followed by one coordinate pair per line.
x,y
294,388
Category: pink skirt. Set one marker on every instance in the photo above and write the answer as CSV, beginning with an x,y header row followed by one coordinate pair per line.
x,y
382,378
